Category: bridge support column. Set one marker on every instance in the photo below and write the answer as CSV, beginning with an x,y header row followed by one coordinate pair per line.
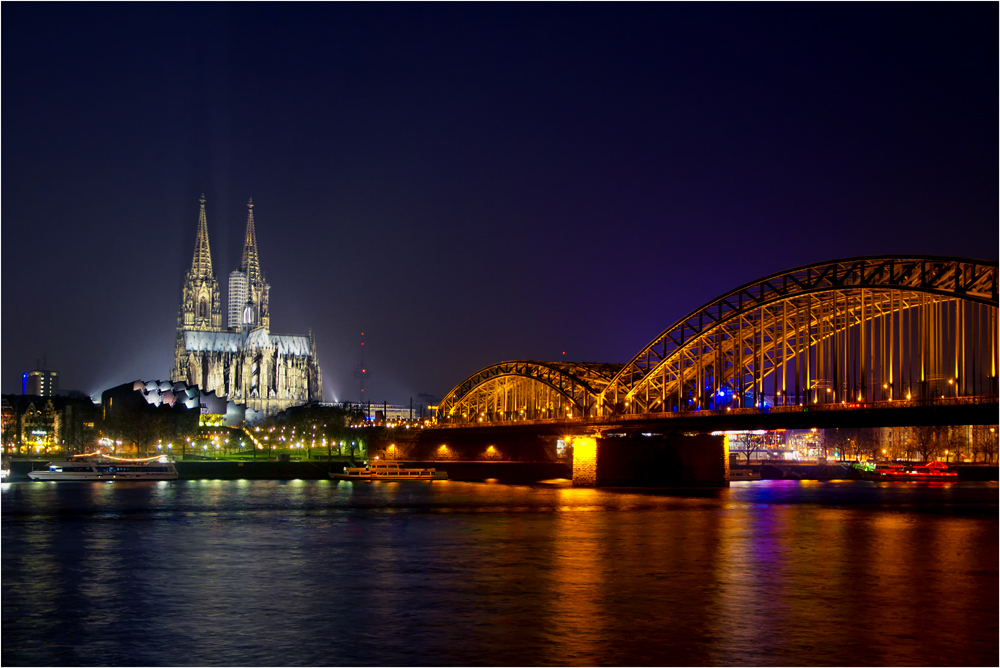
x,y
584,461
667,460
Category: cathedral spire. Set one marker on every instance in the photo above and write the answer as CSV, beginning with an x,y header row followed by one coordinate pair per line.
x,y
250,262
201,263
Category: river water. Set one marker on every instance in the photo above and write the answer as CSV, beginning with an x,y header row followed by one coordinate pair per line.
x,y
323,573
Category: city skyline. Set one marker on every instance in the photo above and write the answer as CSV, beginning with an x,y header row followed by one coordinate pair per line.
x,y
468,184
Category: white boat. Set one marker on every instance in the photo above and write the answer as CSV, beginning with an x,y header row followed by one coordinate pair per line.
x,y
100,467
391,472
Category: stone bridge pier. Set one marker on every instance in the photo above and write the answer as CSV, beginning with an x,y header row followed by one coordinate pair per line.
x,y
675,460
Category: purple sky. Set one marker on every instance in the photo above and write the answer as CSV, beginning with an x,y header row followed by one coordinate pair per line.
x,y
467,183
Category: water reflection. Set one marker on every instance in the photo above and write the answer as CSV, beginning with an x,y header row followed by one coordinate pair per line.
x,y
321,573
574,624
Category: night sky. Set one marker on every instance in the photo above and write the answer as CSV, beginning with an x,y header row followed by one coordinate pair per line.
x,y
468,183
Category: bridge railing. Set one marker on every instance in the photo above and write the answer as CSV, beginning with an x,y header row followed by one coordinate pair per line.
x,y
811,408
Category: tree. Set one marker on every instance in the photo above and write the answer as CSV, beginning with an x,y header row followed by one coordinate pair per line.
x,y
750,442
955,442
984,442
928,442
311,424
142,426
990,448
909,443
837,440
858,442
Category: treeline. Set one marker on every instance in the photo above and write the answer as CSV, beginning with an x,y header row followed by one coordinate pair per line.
x,y
147,429
977,443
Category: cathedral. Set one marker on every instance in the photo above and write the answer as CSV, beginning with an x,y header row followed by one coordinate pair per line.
x,y
242,361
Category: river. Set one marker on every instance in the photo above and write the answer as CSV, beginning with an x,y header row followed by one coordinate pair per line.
x,y
272,573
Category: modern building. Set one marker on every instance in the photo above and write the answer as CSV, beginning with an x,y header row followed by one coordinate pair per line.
x,y
247,364
40,383
237,299
210,409
384,412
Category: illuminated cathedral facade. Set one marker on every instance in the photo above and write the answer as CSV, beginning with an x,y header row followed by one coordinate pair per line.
x,y
242,361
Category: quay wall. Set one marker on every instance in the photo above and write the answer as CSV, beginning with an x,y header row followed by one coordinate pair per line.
x,y
513,472
672,461
844,471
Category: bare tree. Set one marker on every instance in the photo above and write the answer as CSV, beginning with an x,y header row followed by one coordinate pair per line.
x,y
839,440
984,442
870,439
928,442
142,426
750,443
955,442
909,442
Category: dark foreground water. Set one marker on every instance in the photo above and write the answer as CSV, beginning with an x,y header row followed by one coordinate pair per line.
x,y
321,573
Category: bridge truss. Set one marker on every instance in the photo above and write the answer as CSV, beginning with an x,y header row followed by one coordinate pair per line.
x,y
855,330
527,390
852,331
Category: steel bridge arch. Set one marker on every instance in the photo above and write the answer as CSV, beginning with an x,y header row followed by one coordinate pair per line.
x,y
514,389
827,300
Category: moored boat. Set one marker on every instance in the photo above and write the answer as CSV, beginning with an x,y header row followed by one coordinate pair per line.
x,y
935,471
103,467
389,472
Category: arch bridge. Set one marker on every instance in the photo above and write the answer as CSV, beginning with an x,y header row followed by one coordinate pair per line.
x,y
856,331
527,390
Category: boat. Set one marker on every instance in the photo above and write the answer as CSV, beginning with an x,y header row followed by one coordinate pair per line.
x,y
743,474
389,472
4,469
935,471
104,467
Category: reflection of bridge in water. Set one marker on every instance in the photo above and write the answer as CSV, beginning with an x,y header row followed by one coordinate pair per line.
x,y
868,341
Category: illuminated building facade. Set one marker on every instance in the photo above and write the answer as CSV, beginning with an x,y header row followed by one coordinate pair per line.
x,y
237,298
34,424
208,408
244,362
40,383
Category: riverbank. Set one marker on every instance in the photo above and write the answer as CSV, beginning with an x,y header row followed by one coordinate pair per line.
x,y
512,472
477,471
845,471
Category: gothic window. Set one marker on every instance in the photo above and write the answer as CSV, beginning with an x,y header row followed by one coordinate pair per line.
x,y
203,309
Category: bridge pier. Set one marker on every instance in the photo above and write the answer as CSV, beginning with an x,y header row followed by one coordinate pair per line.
x,y
676,459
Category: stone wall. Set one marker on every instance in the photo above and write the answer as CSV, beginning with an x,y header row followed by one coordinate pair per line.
x,y
671,460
